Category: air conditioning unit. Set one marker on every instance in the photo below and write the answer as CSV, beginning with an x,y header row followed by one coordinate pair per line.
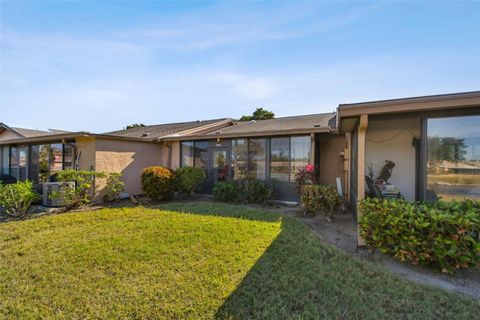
x,y
49,188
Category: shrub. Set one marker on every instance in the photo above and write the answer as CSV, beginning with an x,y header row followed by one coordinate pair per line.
x,y
113,186
158,183
77,194
254,191
16,198
244,191
226,191
441,234
189,179
317,198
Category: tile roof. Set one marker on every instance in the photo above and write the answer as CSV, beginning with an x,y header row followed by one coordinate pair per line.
x,y
30,133
311,122
161,130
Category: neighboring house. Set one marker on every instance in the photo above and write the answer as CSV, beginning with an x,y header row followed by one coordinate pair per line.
x,y
417,134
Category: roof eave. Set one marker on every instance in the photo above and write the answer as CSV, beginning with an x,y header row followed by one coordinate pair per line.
x,y
249,134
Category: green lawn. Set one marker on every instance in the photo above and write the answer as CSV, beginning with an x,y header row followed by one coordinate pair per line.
x,y
213,261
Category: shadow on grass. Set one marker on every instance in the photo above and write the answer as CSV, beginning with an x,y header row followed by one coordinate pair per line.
x,y
299,276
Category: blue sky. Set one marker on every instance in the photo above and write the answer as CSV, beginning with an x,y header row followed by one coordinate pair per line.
x,y
99,66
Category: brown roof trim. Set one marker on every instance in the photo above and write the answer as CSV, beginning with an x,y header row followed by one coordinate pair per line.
x,y
442,101
253,134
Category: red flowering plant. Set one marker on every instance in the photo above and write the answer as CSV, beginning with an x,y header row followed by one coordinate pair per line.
x,y
307,175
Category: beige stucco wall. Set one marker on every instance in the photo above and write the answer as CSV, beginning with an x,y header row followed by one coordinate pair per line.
x,y
7,135
86,149
331,163
392,140
170,154
127,157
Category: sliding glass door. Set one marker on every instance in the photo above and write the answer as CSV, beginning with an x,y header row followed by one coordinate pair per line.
x,y
453,158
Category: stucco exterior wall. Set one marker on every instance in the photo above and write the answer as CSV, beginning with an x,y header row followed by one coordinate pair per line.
x,y
7,135
127,157
86,149
392,140
331,163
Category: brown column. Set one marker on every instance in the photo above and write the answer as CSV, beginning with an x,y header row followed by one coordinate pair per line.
x,y
346,164
362,130
312,148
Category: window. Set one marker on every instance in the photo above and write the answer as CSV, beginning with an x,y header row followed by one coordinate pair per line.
x,y
14,162
300,156
239,158
56,151
5,159
280,158
68,156
257,159
201,154
23,163
39,163
453,158
187,153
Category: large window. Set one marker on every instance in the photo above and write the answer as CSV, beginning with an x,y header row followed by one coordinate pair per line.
x,y
5,160
301,148
280,158
453,158
239,158
194,154
37,163
187,154
257,158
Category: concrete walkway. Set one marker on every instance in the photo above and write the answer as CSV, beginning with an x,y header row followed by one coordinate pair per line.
x,y
341,232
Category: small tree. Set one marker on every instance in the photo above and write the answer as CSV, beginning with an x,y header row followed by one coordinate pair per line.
x,y
76,190
16,198
134,125
113,187
259,114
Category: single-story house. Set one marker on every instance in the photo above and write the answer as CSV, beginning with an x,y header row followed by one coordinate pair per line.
x,y
420,135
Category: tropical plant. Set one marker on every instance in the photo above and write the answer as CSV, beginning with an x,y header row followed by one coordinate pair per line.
x,y
76,187
16,198
307,175
158,183
442,234
114,186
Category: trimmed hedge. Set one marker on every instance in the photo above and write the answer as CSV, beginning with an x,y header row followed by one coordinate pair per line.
x,y
318,198
243,191
442,234
158,183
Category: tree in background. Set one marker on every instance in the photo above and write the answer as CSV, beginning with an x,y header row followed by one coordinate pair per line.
x,y
259,114
135,125
444,149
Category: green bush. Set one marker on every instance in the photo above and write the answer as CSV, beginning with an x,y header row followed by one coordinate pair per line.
x,y
254,191
189,179
77,187
442,234
158,183
16,198
113,186
318,198
243,191
226,191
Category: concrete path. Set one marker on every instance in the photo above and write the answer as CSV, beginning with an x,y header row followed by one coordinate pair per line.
x,y
341,232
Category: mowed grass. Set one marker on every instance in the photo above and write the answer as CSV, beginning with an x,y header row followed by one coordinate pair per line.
x,y
198,261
